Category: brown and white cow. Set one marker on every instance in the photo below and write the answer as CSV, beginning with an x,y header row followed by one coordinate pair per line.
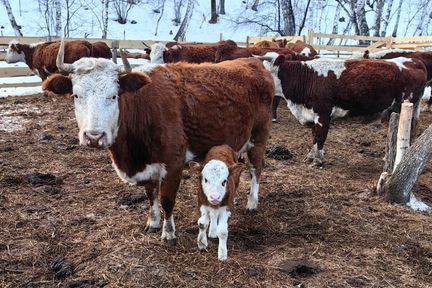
x,y
218,182
41,57
154,122
425,57
302,48
318,90
188,52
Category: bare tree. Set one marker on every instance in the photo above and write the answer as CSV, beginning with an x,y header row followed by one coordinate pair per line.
x,y
255,5
335,24
222,7
14,24
162,8
304,17
71,7
214,15
181,33
394,34
105,12
100,10
122,8
289,19
378,16
178,4
386,18
58,23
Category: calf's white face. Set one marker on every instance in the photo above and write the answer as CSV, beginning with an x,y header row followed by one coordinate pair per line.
x,y
14,54
215,181
95,91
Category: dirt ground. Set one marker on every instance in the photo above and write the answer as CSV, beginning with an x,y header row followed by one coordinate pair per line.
x,y
325,218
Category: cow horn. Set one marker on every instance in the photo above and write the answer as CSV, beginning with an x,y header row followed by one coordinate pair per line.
x,y
126,65
61,66
264,58
145,44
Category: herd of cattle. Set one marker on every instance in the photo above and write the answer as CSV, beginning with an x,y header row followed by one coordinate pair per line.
x,y
215,101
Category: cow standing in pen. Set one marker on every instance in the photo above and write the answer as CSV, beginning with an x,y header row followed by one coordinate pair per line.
x,y
153,123
218,182
318,90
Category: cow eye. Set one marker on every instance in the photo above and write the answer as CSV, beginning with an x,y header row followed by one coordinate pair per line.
x,y
205,180
114,97
75,96
223,183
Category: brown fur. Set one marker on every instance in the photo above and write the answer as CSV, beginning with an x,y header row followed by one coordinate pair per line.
x,y
364,88
101,50
43,56
227,155
266,44
194,53
298,47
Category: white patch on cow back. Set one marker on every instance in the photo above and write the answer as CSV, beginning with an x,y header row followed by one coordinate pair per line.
x,y
146,67
306,51
381,54
323,66
33,45
153,172
156,54
214,180
399,61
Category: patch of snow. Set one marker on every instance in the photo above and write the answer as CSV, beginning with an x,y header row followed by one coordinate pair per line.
x,y
324,65
3,64
399,61
417,205
10,122
21,79
19,91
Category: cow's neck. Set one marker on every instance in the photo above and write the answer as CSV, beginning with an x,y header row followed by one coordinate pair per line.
x,y
294,77
28,52
132,148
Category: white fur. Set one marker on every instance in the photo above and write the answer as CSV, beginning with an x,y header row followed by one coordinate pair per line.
x,y
323,66
338,112
217,219
189,156
246,147
215,180
253,195
306,51
33,45
156,54
274,72
14,56
399,61
166,233
95,82
155,172
154,217
380,54
147,67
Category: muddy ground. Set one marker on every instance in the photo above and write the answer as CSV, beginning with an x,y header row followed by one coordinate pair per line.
x,y
326,218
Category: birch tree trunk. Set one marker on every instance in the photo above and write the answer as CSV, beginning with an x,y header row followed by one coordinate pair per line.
x,y
14,24
213,19
222,7
378,16
335,24
361,17
394,34
386,18
58,23
181,33
304,17
255,5
289,19
105,11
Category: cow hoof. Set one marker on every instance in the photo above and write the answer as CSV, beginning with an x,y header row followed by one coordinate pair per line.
x,y
170,242
317,163
149,229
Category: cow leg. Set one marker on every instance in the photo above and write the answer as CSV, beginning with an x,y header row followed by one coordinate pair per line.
x,y
275,104
203,223
168,192
153,220
213,223
222,232
256,159
319,132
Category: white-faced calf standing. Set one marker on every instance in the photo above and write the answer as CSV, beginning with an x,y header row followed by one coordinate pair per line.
x,y
219,180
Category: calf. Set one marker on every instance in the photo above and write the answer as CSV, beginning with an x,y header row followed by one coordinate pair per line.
x,y
219,180
321,89
41,57
266,44
302,48
153,122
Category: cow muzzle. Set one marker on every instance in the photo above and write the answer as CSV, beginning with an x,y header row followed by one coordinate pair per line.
x,y
214,199
95,139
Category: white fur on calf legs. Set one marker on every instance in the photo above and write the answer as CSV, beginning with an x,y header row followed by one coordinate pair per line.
x,y
168,230
203,223
253,195
315,155
222,232
154,218
213,223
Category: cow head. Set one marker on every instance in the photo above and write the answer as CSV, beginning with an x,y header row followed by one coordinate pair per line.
x,y
217,179
95,84
157,53
14,53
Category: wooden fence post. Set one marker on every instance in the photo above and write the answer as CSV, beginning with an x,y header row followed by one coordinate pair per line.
x,y
247,41
220,36
114,47
310,37
404,130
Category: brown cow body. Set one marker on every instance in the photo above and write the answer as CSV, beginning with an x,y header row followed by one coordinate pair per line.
x,y
101,50
321,89
41,57
170,115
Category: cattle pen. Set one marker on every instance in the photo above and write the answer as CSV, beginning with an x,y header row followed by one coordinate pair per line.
x,y
69,221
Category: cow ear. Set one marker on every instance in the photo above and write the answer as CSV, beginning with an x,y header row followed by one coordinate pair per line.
x,y
57,84
195,167
235,170
279,60
133,81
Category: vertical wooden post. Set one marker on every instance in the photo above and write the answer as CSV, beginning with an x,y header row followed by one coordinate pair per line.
x,y
114,47
220,36
389,42
247,41
310,37
404,130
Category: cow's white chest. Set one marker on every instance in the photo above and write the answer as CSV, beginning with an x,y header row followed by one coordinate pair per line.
x,y
152,172
306,115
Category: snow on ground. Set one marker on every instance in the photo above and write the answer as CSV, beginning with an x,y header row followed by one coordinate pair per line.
x,y
21,79
9,122
19,91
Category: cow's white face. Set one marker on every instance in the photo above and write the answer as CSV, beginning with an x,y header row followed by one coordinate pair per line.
x,y
156,54
215,181
95,91
14,54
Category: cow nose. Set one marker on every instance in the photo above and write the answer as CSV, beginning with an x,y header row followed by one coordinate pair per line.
x,y
214,198
95,139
